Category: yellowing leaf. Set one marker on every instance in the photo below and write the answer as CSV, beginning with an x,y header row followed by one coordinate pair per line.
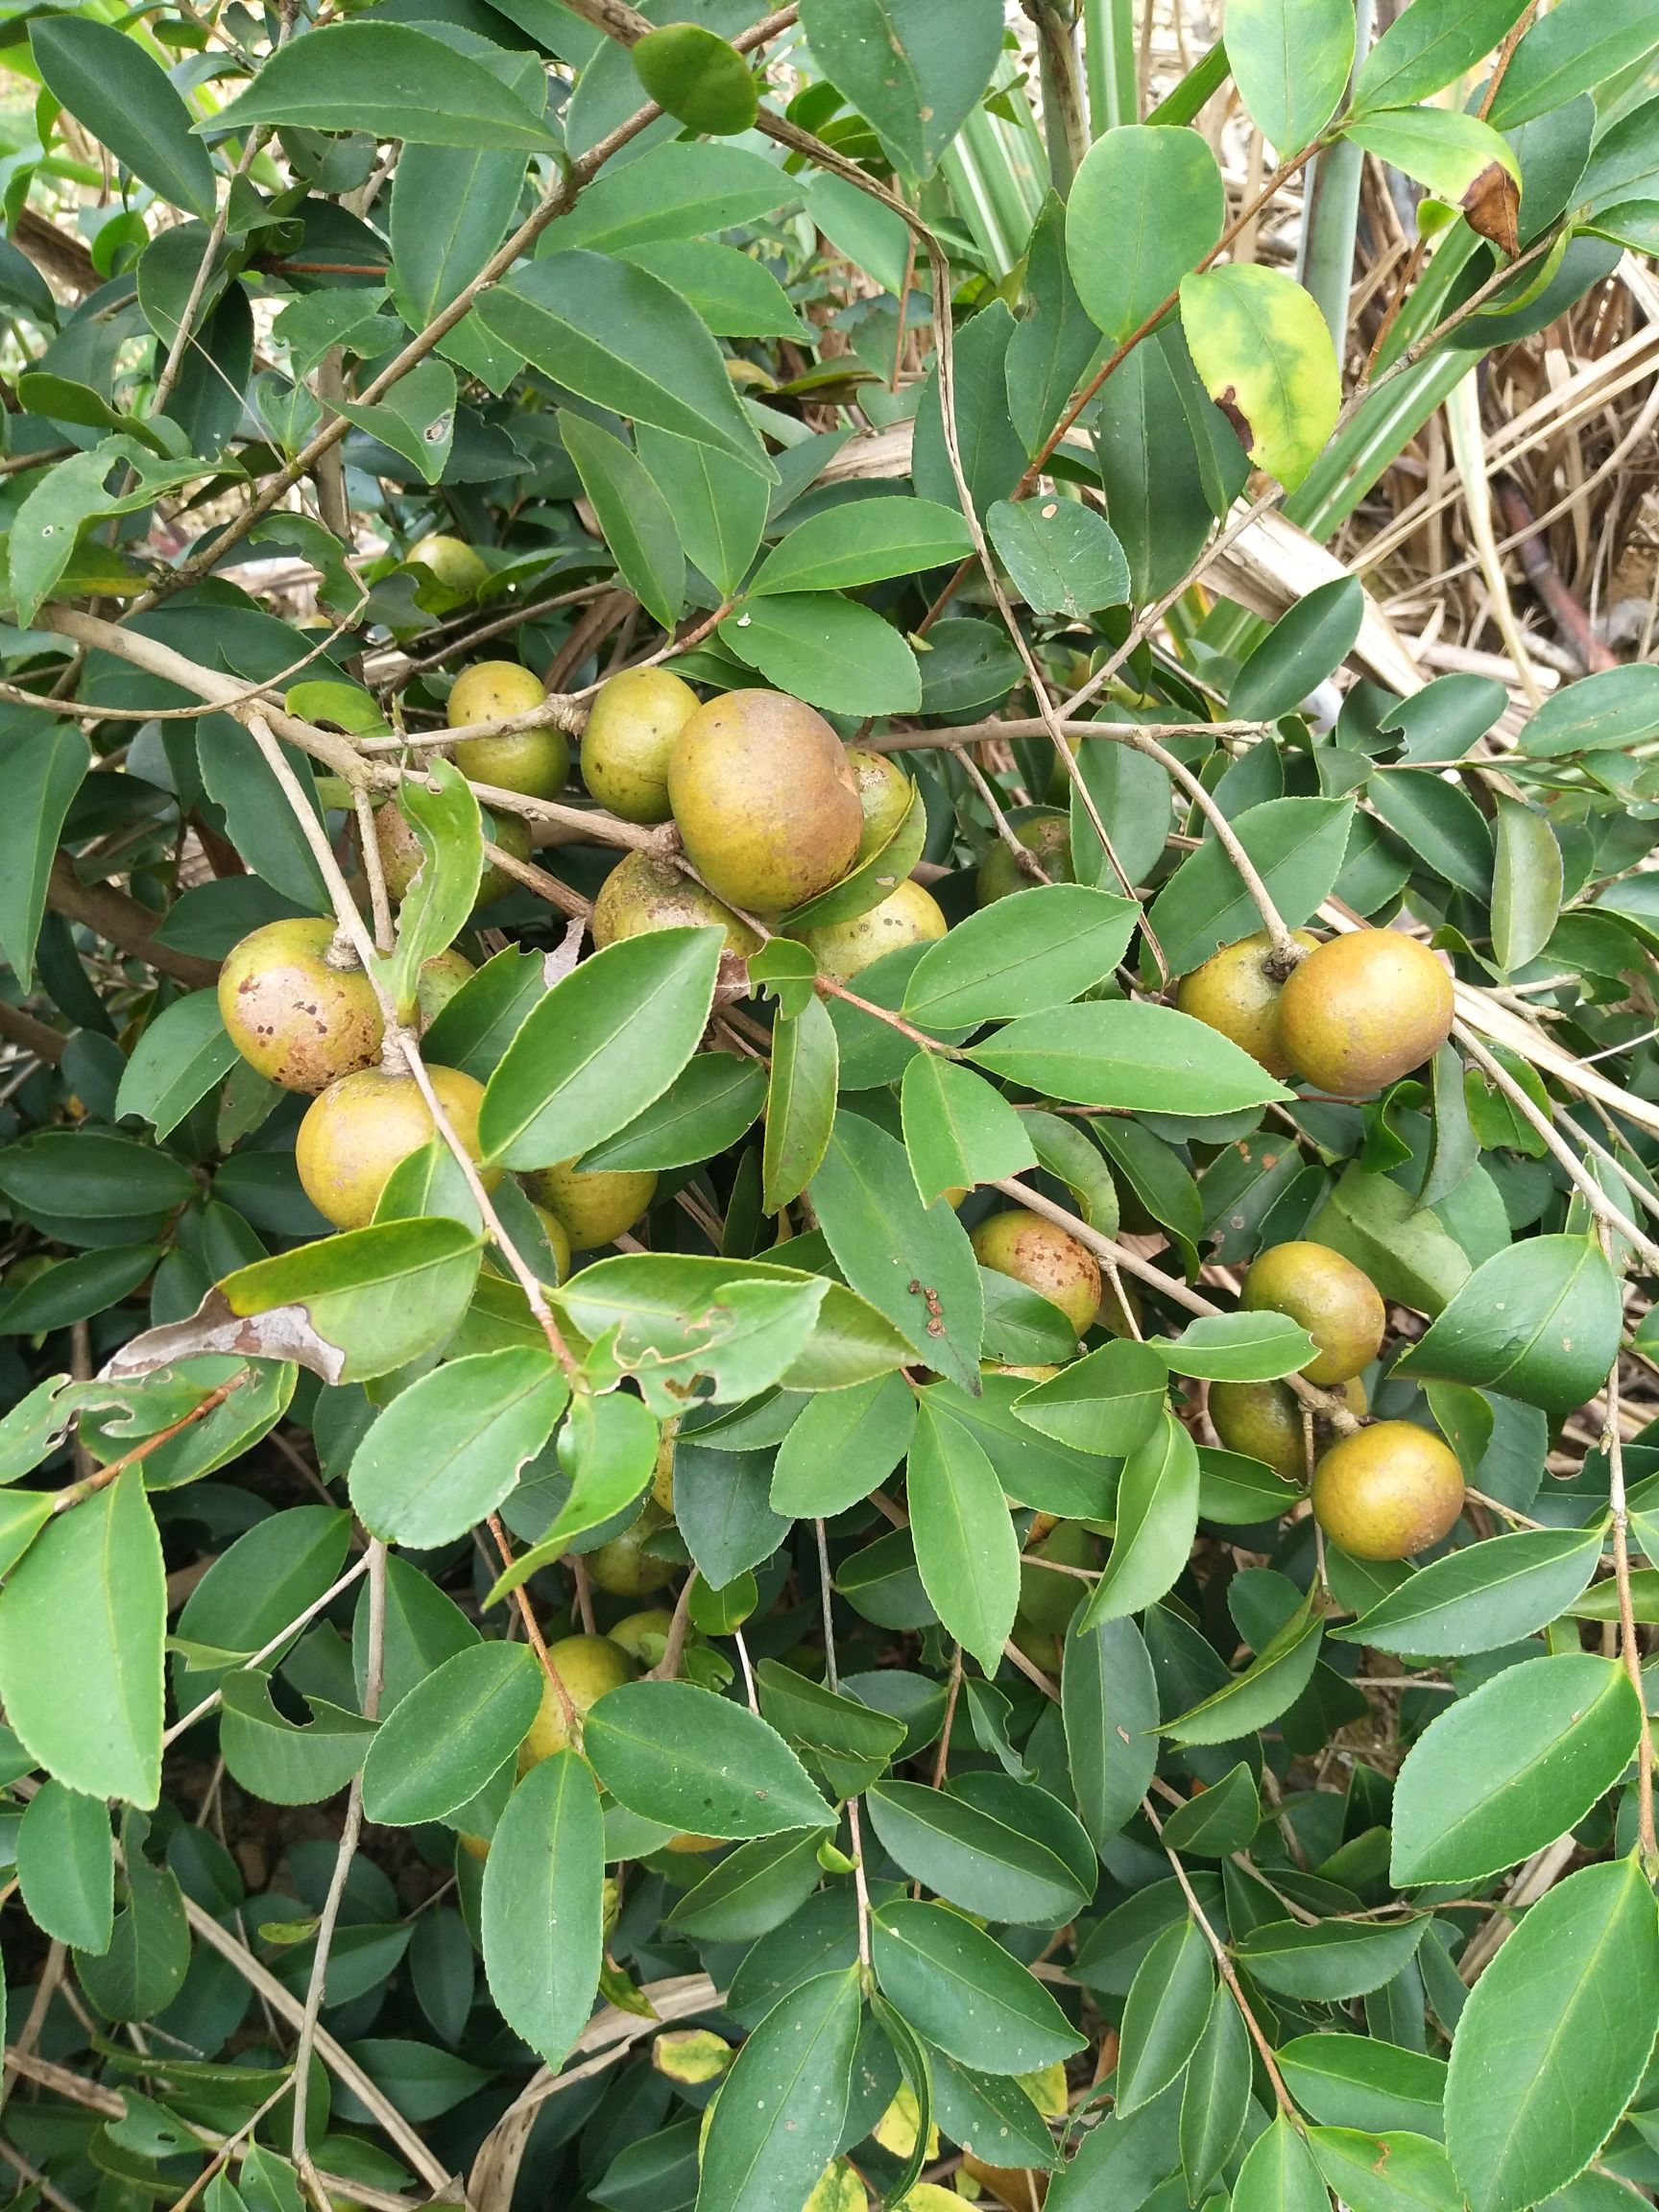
x,y
1265,356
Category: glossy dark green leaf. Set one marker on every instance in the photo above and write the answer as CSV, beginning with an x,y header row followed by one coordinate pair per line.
x,y
1165,2014
752,1889
914,69
635,516
1268,1687
966,1549
959,1130
122,95
843,1445
1314,639
1385,2171
44,769
1129,1054
1219,1820
450,1733
1362,2082
1037,949
542,1905
1539,1321
1216,2099
865,541
778,2116
1109,1700
1298,847
1484,1597
992,1861
799,1103
448,1450
710,1103
393,79
1106,1403
1157,1520
835,653
1331,1962
1146,205
1414,58
66,1866
693,1760
1063,557
959,1989
1279,2174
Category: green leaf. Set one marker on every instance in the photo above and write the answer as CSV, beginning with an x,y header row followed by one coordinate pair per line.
x,y
1539,1321
1526,884
121,93
82,1616
442,1743
966,1549
989,447
842,1444
450,209
1130,1054
601,1046
1514,1765
1302,649
1268,1687
417,419
1290,62
1157,1520
443,814
752,1889
1298,847
1263,351
1330,1963
999,1859
866,885
1239,1347
1165,2013
1146,205
742,1331
609,1450
1440,147
959,1131
1358,2082
1215,2101
1554,2039
1438,822
541,1911
863,542
1484,1597
913,1262
182,1053
448,1450
1279,2174
913,68
829,650
1064,558
1386,2173
44,769
1428,46
673,189
962,1992
1109,1702
1221,1820
1034,949
636,519
1106,1403
1051,351
1400,1245
66,1866
623,338
698,77
799,1103
709,1104
392,80
692,1761
272,1758
1571,51
850,1743
778,2119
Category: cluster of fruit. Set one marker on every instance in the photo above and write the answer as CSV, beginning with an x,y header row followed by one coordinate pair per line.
x,y
770,809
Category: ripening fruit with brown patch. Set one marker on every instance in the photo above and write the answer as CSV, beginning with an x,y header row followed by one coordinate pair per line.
x,y
439,981
885,796
364,1125
632,727
642,894
1234,993
291,1012
595,1205
1335,1302
765,800
624,1568
1387,1491
535,761
908,915
1047,835
451,561
1042,1256
1364,1009
1264,1421
588,1666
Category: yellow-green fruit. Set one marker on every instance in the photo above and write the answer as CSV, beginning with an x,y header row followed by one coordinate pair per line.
x,y
588,1666
632,725
1233,993
401,856
642,894
298,1019
624,1568
558,1240
643,1635
1337,1305
1387,1491
1120,1311
1264,1421
908,915
766,800
535,761
885,796
359,1130
1044,1257
512,833
451,559
1364,1009
1047,835
662,1476
594,1207
439,981
1048,1599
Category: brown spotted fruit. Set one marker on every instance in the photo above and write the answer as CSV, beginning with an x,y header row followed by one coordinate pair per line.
x,y
535,761
632,727
295,1009
364,1125
908,915
1264,1421
1335,1302
1236,993
642,893
885,796
1387,1491
1042,1256
1362,1010
765,800
1047,835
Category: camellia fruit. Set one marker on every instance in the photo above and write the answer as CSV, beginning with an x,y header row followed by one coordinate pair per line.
x,y
1047,835
765,800
1364,1009
595,1205
908,915
1042,1256
364,1125
1387,1491
1236,993
588,1666
456,565
885,796
642,894
632,725
535,761
1264,1421
1335,1302
299,1017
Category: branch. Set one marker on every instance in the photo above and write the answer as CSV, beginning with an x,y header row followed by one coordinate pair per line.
x,y
110,914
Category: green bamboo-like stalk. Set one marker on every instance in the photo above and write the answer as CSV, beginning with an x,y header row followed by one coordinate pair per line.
x,y
1331,212
1109,63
